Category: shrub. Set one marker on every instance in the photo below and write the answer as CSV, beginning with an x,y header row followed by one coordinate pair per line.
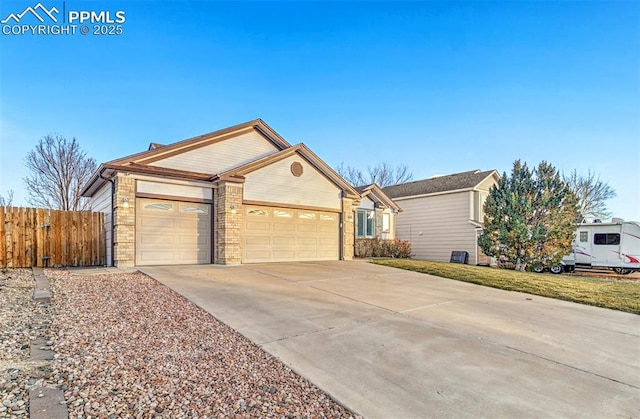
x,y
376,247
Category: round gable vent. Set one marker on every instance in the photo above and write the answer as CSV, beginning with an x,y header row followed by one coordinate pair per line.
x,y
296,169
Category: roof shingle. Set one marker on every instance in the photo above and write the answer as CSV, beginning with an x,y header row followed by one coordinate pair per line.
x,y
445,183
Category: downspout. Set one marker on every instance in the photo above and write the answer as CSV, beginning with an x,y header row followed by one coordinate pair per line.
x,y
341,228
113,212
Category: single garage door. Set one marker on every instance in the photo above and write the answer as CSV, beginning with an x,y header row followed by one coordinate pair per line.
x,y
172,232
274,234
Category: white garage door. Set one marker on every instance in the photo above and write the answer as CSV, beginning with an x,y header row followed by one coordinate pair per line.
x,y
285,234
172,232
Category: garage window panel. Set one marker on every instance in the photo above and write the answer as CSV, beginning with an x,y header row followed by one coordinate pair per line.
x,y
257,212
194,209
158,207
282,214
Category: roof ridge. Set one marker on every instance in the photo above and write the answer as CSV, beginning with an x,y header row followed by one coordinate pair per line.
x,y
444,183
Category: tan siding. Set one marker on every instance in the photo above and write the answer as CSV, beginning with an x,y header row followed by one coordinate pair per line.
x,y
366,203
171,189
487,184
102,202
437,225
483,191
391,234
219,157
275,183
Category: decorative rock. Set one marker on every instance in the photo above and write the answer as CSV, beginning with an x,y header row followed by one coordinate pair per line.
x,y
126,346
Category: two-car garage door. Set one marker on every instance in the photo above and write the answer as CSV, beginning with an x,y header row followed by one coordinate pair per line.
x,y
273,234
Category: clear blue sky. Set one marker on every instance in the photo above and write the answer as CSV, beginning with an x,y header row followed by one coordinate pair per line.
x,y
443,87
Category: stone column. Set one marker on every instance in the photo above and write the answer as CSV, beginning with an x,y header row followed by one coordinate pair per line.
x,y
125,221
227,218
348,227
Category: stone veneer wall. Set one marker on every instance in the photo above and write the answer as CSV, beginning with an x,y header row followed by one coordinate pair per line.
x,y
348,227
125,221
227,221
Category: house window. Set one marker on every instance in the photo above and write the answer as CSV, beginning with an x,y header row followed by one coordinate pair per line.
x,y
365,223
584,236
385,223
606,238
307,216
327,217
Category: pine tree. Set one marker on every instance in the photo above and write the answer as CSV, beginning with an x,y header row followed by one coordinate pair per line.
x,y
529,217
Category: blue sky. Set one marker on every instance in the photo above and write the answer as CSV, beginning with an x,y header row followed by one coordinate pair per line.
x,y
442,87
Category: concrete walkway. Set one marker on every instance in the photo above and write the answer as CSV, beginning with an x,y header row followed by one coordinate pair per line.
x,y
396,344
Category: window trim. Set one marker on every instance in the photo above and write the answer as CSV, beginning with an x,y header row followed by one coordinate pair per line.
x,y
386,222
369,226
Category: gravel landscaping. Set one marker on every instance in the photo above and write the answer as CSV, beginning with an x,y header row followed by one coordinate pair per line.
x,y
128,346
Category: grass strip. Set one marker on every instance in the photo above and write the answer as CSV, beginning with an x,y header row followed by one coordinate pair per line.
x,y
617,295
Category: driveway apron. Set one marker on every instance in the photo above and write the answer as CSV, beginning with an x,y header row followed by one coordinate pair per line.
x,y
389,343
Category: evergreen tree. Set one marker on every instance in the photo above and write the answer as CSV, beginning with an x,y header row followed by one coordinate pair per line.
x,y
529,217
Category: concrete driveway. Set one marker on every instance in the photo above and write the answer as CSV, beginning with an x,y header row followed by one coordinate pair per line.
x,y
389,343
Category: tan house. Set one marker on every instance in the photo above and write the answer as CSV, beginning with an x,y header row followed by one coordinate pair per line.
x,y
376,214
443,214
239,195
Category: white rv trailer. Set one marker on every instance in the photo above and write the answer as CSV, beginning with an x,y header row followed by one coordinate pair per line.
x,y
614,245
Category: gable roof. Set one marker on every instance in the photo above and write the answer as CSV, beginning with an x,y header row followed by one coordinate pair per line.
x,y
447,183
301,150
157,153
377,195
139,163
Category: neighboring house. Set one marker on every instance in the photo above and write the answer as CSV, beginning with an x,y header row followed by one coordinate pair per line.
x,y
376,214
238,195
443,213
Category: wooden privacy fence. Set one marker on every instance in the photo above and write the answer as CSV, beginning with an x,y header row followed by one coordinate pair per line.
x,y
42,237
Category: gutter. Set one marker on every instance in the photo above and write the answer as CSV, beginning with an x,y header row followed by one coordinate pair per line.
x,y
113,212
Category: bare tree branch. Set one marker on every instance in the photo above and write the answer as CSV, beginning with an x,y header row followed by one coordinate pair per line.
x,y
592,194
383,174
7,201
59,169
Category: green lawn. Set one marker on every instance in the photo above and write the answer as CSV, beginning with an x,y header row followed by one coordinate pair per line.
x,y
618,295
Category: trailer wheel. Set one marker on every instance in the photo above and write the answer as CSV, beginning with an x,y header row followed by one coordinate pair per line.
x,y
622,271
538,269
556,269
